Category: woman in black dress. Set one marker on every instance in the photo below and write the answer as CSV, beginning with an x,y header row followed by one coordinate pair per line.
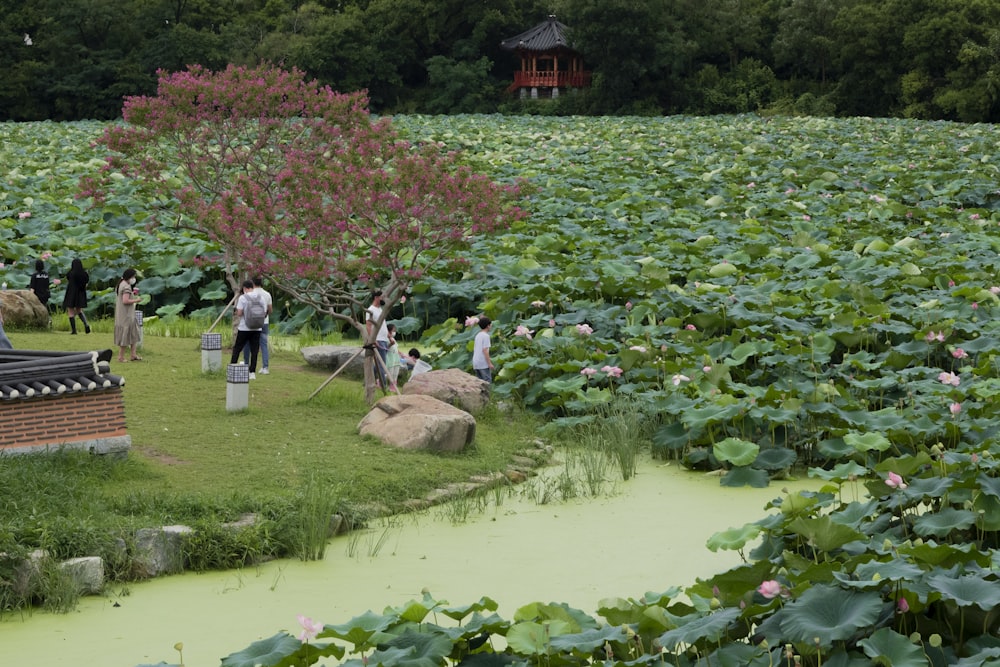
x,y
76,295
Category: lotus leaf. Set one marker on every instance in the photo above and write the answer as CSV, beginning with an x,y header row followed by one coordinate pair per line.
x,y
888,646
734,538
823,533
736,451
829,613
971,590
696,629
943,522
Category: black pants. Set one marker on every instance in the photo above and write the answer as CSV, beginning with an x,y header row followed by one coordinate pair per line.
x,y
243,338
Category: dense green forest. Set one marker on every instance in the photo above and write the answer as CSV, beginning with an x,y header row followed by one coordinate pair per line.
x,y
940,59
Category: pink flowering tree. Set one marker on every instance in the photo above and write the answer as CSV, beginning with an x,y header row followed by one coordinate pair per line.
x,y
297,182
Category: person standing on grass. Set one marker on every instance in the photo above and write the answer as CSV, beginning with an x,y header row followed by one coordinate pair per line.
x,y
39,283
244,334
373,315
126,327
393,361
76,295
481,362
265,356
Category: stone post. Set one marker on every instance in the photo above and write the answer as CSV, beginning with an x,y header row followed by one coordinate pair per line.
x,y
237,387
211,352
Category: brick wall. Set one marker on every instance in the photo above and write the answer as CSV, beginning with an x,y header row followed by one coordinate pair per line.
x,y
80,418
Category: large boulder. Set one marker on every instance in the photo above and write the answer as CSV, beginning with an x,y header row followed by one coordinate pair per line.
x,y
23,310
419,422
332,357
452,386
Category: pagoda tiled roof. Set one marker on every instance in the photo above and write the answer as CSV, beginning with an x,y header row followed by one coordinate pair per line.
x,y
36,373
546,36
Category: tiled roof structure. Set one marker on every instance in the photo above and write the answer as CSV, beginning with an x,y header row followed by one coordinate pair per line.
x,y
548,35
36,373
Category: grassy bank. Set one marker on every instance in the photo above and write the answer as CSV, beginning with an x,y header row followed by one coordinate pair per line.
x,y
193,462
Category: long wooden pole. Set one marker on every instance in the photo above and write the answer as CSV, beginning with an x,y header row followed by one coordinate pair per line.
x,y
224,311
378,360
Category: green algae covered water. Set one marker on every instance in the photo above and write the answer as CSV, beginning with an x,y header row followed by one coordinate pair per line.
x,y
647,534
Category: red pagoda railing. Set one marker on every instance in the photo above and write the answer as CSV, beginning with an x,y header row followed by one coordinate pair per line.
x,y
549,79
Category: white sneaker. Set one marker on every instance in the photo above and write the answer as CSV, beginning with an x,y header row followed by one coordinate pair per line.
x,y
264,371
253,376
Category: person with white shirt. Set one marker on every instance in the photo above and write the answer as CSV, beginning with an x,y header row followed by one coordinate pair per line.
x,y
265,353
373,315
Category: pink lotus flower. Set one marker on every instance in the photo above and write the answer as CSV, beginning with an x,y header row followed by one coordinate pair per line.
x,y
552,323
975,305
974,216
57,281
310,628
24,214
538,304
522,330
951,283
628,304
588,371
46,255
932,336
638,348
769,589
691,327
706,369
807,218
677,379
949,378
894,481
471,320
995,289
612,371
959,353
584,329
402,299
902,605
955,408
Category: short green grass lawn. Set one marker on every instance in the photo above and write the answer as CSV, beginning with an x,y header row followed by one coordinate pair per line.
x,y
191,457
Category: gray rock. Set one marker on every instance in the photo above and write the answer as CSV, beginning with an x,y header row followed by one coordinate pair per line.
x,y
332,357
87,572
452,386
419,422
158,550
22,309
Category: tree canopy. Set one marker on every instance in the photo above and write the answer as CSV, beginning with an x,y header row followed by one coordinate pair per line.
x,y
297,182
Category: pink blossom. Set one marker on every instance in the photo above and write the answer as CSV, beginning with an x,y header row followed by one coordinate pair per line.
x,y
552,323
691,327
894,481
677,379
949,378
751,184
789,191
24,214
951,283
471,320
932,336
769,589
995,289
706,369
955,409
538,304
46,255
587,371
902,605
974,458
975,305
310,628
959,353
637,348
807,217
584,329
402,299
974,216
57,281
522,330
613,371
628,305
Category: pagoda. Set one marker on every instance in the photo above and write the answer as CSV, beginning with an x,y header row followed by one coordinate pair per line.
x,y
548,64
